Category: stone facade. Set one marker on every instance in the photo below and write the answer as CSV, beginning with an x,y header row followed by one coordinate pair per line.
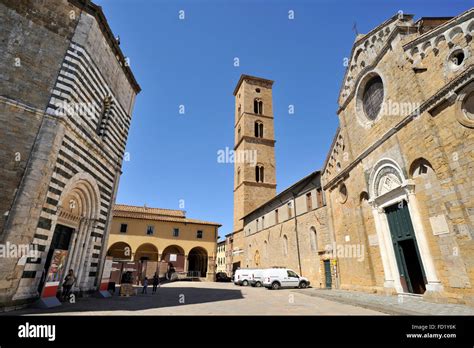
x,y
415,154
291,230
398,179
66,99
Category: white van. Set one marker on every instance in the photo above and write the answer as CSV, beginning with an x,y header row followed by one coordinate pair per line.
x,y
276,278
257,278
243,276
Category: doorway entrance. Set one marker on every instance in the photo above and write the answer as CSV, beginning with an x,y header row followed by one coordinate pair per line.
x,y
327,274
61,240
197,261
410,267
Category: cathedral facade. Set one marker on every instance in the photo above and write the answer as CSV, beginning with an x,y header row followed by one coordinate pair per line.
x,y
399,175
392,208
66,100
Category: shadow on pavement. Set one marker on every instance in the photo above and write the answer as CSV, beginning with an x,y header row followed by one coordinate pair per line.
x,y
164,297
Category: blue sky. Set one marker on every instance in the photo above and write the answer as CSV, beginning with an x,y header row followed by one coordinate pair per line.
x,y
190,62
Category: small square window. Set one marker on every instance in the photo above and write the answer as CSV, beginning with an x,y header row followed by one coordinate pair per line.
x,y
199,234
123,228
175,232
150,230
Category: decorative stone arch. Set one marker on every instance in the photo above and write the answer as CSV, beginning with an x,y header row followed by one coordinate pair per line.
x,y
470,27
120,251
455,31
174,255
399,190
383,166
79,208
146,251
416,164
357,55
82,186
439,39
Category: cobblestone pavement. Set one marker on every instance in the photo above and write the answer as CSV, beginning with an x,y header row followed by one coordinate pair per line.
x,y
194,298
398,305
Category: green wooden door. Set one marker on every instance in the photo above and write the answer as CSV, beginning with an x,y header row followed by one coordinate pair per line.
x,y
327,273
412,275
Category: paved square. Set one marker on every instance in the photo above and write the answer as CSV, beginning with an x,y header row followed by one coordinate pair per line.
x,y
203,298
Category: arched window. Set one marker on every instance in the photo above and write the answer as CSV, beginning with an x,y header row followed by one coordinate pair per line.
x,y
313,237
259,174
258,129
420,167
258,107
285,245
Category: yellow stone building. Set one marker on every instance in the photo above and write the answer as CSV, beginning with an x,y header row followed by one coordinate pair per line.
x,y
140,233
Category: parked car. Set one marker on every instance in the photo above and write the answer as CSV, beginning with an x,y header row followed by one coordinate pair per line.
x,y
222,277
276,278
257,278
242,276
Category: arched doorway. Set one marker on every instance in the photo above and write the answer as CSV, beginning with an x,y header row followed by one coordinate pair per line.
x,y
146,252
405,253
120,251
197,261
75,222
174,256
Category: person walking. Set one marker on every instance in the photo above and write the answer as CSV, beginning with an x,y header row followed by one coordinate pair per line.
x,y
145,285
69,281
156,282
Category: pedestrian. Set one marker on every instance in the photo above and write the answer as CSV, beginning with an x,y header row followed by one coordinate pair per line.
x,y
145,285
69,281
156,282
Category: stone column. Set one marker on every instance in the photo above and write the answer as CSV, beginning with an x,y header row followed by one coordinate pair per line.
x,y
389,282
83,256
434,284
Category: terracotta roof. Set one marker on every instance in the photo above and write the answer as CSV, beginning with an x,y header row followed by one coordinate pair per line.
x,y
156,214
148,210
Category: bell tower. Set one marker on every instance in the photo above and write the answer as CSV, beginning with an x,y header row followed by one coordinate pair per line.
x,y
254,168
